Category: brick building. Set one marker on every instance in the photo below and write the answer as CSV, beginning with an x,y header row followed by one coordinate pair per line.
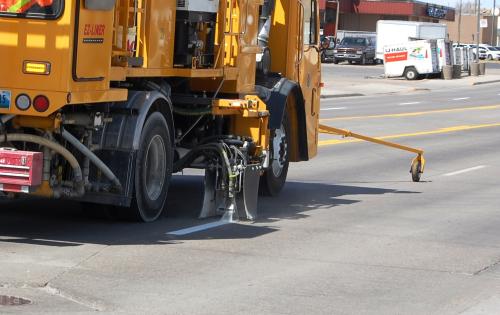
x,y
468,29
362,15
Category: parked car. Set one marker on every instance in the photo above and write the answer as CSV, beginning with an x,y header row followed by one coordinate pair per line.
x,y
328,45
355,49
492,53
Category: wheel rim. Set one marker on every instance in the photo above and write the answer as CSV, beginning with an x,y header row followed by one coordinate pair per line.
x,y
280,149
411,74
156,166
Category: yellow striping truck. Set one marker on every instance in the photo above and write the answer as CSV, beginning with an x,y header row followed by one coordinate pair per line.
x,y
101,101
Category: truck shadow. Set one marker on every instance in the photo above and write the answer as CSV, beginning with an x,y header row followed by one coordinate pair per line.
x,y
63,223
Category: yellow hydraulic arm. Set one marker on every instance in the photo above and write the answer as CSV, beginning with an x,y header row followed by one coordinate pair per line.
x,y
417,164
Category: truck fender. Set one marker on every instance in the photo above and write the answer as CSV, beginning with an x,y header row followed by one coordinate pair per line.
x,y
276,100
140,104
120,139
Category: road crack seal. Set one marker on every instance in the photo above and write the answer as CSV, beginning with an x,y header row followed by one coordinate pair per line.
x,y
485,269
57,292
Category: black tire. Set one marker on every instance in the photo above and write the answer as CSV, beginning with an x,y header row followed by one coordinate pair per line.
x,y
490,57
274,178
335,61
153,171
411,73
416,171
363,60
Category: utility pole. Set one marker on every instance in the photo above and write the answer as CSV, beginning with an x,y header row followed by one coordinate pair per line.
x,y
478,29
459,21
494,27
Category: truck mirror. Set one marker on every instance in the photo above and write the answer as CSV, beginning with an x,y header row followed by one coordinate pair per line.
x,y
100,5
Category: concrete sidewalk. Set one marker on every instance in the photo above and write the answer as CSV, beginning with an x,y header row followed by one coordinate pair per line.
x,y
354,80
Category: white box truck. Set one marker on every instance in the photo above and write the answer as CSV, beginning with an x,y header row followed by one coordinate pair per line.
x,y
412,59
394,32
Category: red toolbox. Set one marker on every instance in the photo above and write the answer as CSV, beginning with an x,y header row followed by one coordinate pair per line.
x,y
20,170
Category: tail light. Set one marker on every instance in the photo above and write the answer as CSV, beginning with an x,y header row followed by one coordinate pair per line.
x,y
41,103
23,101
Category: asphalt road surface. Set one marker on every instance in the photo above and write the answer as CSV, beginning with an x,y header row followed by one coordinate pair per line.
x,y
351,233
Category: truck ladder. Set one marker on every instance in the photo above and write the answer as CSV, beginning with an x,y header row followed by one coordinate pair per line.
x,y
417,164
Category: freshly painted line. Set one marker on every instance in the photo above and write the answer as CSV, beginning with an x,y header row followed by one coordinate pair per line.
x,y
414,134
461,99
333,108
412,114
409,103
199,228
467,170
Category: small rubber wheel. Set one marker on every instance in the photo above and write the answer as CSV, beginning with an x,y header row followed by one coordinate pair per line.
x,y
153,171
274,178
416,171
411,74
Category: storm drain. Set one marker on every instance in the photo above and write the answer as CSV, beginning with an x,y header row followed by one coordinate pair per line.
x,y
6,300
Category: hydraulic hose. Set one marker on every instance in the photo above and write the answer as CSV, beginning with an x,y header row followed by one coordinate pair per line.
x,y
77,171
93,158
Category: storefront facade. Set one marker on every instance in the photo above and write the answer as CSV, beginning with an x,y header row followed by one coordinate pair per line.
x,y
362,15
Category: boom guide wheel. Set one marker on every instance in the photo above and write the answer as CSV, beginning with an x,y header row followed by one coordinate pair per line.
x,y
416,170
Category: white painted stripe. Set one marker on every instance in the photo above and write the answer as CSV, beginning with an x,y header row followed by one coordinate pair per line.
x,y
461,99
334,108
467,170
198,228
409,103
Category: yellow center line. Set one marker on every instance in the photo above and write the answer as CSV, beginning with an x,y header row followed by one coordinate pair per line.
x,y
414,134
412,114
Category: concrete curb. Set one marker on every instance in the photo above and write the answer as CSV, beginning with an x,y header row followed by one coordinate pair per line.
x,y
485,82
342,95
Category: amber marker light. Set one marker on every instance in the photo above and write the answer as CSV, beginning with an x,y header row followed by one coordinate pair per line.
x,y
36,67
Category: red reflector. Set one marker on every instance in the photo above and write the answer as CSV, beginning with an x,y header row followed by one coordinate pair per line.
x,y
41,103
322,84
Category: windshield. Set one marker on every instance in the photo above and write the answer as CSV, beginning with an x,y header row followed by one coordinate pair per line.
x,y
353,41
42,9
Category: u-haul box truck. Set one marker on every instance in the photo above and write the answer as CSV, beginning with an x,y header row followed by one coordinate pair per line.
x,y
411,59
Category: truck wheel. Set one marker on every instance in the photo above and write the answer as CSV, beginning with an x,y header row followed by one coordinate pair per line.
x,y
363,60
153,170
335,61
274,178
411,73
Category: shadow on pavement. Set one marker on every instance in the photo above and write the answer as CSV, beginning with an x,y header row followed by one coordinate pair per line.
x,y
63,223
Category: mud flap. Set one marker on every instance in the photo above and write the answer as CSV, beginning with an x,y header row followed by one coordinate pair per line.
x,y
247,199
242,207
213,199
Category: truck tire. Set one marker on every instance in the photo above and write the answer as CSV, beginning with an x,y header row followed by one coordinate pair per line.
x,y
153,171
274,178
363,60
411,73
